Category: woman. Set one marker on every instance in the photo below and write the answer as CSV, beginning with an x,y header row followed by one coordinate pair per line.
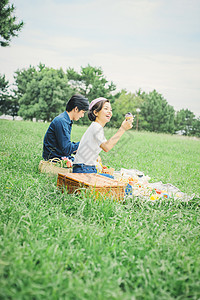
x,y
93,141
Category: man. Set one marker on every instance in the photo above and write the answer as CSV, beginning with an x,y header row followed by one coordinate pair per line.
x,y
57,140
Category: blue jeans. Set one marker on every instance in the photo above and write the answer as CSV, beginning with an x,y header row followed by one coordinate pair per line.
x,y
82,168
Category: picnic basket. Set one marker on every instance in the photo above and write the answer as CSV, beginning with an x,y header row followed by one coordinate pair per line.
x,y
97,184
51,167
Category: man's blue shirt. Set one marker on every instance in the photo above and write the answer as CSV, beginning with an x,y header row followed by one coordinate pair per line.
x,y
57,141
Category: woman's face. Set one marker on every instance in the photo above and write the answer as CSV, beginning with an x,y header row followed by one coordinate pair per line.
x,y
105,114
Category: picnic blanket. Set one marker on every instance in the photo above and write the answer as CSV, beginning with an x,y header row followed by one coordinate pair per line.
x,y
138,185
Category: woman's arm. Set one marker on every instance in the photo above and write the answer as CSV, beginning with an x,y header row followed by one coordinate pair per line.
x,y
108,145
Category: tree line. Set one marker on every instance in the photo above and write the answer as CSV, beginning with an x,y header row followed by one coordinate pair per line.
x,y
42,92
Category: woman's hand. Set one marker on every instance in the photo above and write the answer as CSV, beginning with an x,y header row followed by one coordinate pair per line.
x,y
127,124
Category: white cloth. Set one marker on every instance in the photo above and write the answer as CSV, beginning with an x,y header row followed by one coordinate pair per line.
x,y
89,147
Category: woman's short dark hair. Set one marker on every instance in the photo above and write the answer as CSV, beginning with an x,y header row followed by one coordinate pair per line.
x,y
97,107
77,101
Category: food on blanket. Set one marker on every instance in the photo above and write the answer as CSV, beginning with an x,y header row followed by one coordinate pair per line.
x,y
107,170
165,195
158,191
154,197
132,181
129,116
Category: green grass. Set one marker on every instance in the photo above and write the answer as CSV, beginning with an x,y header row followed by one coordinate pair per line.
x,y
61,246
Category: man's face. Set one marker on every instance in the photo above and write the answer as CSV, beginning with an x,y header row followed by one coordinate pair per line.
x,y
78,114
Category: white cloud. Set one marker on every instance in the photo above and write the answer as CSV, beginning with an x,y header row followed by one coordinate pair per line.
x,y
176,78
138,43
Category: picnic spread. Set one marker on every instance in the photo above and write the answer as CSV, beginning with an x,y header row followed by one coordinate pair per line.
x,y
139,185
126,183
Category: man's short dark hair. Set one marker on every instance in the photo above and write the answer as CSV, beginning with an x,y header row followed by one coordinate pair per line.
x,y
77,101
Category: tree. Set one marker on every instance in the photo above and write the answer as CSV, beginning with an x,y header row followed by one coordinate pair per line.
x,y
126,102
8,26
196,127
90,82
157,113
184,121
4,95
23,78
43,93
13,106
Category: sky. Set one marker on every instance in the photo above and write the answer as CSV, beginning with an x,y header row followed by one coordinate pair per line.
x,y
146,44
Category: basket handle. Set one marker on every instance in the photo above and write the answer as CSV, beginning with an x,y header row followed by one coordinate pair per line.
x,y
55,160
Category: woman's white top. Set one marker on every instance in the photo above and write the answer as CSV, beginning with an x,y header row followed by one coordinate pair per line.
x,y
89,147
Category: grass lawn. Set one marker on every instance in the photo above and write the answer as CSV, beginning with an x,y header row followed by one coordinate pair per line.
x,y
61,246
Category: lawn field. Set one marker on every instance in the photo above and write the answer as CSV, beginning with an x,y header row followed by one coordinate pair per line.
x,y
61,246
